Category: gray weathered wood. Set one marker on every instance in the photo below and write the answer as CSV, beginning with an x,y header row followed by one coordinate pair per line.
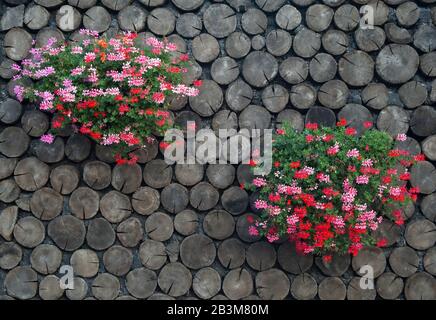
x,y
370,256
238,284
97,175
335,41
67,232
49,288
237,45
389,286
126,178
193,244
291,261
235,200
356,292
413,94
157,174
319,17
49,153
209,100
21,283
261,256
17,43
272,284
8,218
117,260
321,115
259,68
304,287
231,253
333,94
356,68
206,283
14,142
420,286
80,290
423,175
404,261
100,235
347,17
336,267
174,198
427,64
397,34
116,5
397,63
130,232
46,258
288,17
9,190
203,196
35,123
10,111
393,120
114,206
10,255
31,174
175,279
189,25
356,116
159,226
238,95
29,232
332,288
186,222
46,204
421,234
423,121
370,39
224,70
152,254
185,5
306,43
97,18
375,96
64,179
429,147
219,20
218,224
78,148
105,287
294,70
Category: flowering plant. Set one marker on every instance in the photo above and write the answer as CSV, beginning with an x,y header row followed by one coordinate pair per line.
x,y
329,189
112,90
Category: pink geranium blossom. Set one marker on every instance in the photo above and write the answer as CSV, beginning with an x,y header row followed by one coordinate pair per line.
x,y
47,138
112,90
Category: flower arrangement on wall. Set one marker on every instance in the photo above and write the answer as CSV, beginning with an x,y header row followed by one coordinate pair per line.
x,y
329,189
113,90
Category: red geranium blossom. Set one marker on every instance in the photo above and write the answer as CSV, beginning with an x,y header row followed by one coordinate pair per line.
x,y
332,202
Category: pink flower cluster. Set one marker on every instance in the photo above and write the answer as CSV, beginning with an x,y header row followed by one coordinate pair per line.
x,y
326,200
113,89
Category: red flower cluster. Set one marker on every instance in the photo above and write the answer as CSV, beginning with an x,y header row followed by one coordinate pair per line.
x,y
330,189
114,90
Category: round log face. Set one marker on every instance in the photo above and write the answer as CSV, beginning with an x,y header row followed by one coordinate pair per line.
x,y
158,230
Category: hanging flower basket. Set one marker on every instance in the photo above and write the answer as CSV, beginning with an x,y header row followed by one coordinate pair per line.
x,y
329,189
112,90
